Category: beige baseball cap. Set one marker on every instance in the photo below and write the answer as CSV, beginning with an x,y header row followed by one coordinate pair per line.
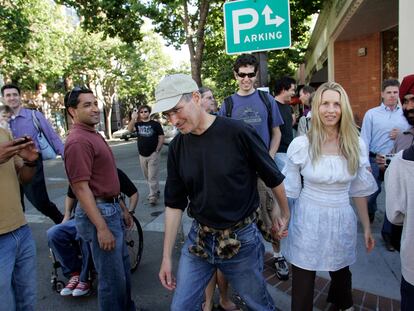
x,y
169,91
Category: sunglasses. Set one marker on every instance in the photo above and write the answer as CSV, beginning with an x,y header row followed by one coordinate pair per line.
x,y
249,74
75,89
144,111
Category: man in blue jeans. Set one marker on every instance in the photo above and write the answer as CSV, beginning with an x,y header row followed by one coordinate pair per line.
x,y
67,247
17,247
212,169
91,170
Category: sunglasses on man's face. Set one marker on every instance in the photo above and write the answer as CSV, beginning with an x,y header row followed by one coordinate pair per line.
x,y
248,74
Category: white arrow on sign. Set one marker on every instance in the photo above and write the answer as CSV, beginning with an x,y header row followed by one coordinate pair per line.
x,y
267,11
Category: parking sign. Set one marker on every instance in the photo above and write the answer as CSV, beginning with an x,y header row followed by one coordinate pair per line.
x,y
256,25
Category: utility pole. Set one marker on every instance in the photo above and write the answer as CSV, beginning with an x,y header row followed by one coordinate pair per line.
x,y
263,79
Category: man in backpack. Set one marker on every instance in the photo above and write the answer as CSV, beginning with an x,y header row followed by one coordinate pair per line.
x,y
258,109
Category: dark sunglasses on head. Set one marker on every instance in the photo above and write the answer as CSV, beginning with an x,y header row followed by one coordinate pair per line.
x,y
75,89
249,74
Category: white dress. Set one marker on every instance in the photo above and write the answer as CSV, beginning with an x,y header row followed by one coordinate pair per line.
x,y
323,225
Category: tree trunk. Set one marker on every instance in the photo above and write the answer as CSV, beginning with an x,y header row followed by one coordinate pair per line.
x,y
195,39
108,122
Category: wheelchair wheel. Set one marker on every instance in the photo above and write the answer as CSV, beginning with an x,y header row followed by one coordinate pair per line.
x,y
58,286
134,239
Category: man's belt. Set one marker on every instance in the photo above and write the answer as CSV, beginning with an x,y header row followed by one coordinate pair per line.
x,y
228,244
107,200
372,154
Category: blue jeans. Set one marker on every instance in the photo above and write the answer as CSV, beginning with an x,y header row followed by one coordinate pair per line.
x,y
113,267
18,286
407,295
243,271
72,252
36,193
372,200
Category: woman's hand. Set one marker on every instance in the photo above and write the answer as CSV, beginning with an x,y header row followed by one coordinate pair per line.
x,y
369,240
280,225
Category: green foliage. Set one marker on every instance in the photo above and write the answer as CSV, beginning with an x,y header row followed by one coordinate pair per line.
x,y
31,46
112,18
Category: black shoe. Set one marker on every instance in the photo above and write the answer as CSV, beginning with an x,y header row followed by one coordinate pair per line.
x,y
282,269
388,244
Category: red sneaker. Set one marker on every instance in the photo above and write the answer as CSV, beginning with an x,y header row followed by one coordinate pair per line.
x,y
73,282
81,289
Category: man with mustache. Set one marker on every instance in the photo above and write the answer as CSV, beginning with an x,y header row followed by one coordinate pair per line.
x,y
398,201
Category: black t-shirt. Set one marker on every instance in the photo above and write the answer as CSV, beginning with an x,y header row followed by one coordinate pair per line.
x,y
286,129
127,186
148,133
217,172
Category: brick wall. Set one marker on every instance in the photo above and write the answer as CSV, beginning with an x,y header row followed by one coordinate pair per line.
x,y
360,75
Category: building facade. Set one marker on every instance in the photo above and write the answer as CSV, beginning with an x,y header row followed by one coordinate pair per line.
x,y
359,43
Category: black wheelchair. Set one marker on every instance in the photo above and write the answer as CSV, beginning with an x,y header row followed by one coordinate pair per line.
x,y
134,239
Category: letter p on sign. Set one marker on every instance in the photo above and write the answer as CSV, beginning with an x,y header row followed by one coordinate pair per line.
x,y
238,26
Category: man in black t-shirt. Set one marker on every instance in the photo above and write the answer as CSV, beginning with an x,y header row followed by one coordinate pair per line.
x,y
212,168
150,141
62,239
284,90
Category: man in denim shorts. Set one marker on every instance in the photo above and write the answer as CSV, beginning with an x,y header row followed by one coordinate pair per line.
x,y
91,170
212,168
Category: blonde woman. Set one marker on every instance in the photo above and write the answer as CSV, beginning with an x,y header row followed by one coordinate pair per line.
x,y
323,226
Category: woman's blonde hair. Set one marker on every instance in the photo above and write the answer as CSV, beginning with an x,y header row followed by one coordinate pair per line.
x,y
347,129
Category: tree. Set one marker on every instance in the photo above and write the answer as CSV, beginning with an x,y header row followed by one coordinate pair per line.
x,y
178,21
43,48
199,23
32,49
115,70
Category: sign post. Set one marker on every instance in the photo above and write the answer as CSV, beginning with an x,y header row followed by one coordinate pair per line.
x,y
256,25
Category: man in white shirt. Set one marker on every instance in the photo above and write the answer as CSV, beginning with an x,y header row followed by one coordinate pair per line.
x,y
380,127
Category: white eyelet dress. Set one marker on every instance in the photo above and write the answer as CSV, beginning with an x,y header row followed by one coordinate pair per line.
x,y
323,225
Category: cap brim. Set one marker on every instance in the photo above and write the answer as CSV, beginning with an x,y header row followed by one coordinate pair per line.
x,y
165,104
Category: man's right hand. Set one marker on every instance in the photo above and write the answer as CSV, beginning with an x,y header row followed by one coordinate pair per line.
x,y
106,239
166,277
380,160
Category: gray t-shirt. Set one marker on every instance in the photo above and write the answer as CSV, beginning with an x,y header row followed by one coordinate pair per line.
x,y
252,110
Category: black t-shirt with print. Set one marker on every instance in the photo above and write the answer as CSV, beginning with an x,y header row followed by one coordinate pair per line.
x,y
148,133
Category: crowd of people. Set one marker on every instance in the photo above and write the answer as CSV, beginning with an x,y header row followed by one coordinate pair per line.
x,y
249,171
